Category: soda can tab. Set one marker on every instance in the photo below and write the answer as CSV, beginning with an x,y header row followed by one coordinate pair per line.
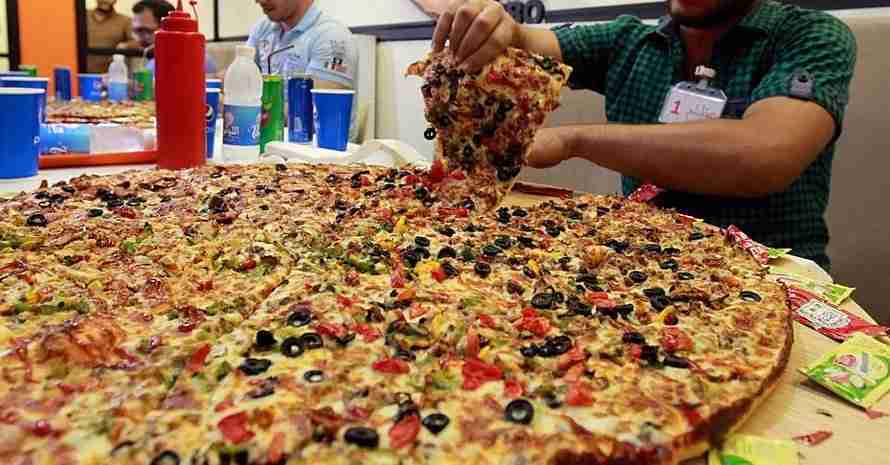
x,y
827,318
645,193
272,119
857,370
754,450
757,250
832,292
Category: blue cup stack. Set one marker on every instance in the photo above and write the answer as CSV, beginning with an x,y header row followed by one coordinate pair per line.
x,y
19,131
29,83
333,114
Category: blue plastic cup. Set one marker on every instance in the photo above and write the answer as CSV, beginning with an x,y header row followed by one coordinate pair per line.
x,y
333,114
29,83
214,83
212,115
90,87
19,131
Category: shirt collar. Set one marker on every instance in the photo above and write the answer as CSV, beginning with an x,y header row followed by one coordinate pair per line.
x,y
307,21
758,21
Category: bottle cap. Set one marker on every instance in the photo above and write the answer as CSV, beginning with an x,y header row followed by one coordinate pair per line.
x,y
245,51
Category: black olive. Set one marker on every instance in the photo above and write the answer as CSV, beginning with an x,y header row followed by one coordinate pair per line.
x,y
671,251
503,242
405,355
565,260
114,203
299,318
410,258
422,241
652,248
608,312
500,116
633,337
685,276
660,302
574,304
558,345
551,400
482,269
291,347
491,250
654,292
542,301
553,232
422,252
436,422
519,213
280,167
314,376
264,390
696,236
166,458
95,212
649,354
341,204
514,261
37,220
519,411
488,129
471,228
638,277
468,151
45,204
355,183
69,189
529,272
618,246
332,178
624,310
587,279
311,341
670,264
449,269
526,242
574,215
750,296
514,288
265,339
344,340
676,362
529,351
407,408
506,173
429,134
254,366
447,252
362,437
135,201
467,254
421,193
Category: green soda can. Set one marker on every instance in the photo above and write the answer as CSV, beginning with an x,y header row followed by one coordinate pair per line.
x,y
30,69
144,86
272,122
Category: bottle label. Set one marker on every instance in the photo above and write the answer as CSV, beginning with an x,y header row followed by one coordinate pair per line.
x,y
117,91
241,125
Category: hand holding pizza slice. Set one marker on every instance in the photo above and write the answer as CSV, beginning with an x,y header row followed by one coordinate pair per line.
x,y
484,124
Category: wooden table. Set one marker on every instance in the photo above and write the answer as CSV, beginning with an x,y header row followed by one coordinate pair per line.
x,y
794,408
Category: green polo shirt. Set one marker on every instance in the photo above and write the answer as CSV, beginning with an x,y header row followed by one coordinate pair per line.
x,y
634,65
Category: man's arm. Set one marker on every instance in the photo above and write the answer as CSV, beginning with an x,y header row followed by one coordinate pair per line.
x,y
333,60
762,153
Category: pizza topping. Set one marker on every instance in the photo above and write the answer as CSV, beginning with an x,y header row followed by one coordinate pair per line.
x,y
638,277
436,422
167,457
196,362
265,340
95,212
519,411
314,376
676,361
391,365
476,373
482,269
543,301
750,296
579,395
813,439
292,347
685,276
254,366
362,437
37,220
674,339
405,431
234,428
311,341
633,337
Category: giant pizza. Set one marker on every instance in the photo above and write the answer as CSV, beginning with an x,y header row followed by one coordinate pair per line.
x,y
297,314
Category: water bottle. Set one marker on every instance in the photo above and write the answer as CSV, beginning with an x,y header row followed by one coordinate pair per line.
x,y
118,82
241,112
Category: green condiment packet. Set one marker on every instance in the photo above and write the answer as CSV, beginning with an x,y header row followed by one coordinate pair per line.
x,y
742,449
834,293
775,254
857,370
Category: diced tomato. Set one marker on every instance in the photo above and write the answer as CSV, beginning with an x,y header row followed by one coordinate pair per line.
x,y
674,339
579,395
538,326
352,278
456,212
529,312
476,373
391,365
331,330
234,428
487,321
636,351
126,212
416,311
368,332
248,265
692,415
574,373
224,405
411,179
40,428
397,279
513,388
344,301
205,286
472,343
457,175
404,432
276,448
571,358
9,417
439,274
196,362
406,295
437,171
597,295
365,181
357,413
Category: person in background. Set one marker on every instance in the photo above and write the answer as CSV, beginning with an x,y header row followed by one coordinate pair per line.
x,y
147,16
323,46
106,28
764,165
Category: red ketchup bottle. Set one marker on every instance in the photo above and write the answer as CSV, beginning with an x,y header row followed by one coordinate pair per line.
x,y
180,87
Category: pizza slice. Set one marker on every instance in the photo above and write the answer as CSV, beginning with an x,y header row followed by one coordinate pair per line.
x,y
485,123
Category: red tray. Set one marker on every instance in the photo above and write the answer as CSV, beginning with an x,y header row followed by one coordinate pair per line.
x,y
102,159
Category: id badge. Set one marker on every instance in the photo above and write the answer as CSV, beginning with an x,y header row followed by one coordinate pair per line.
x,y
693,101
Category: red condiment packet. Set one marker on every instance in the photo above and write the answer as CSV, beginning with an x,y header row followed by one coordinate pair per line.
x,y
645,193
759,251
828,319
813,439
